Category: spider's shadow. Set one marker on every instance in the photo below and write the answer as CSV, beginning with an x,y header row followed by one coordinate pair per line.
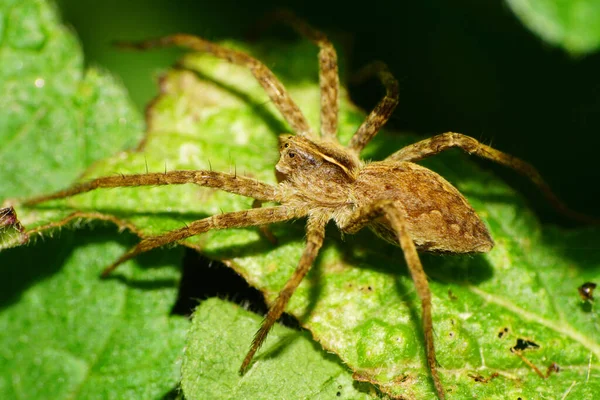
x,y
23,268
363,250
366,250
275,124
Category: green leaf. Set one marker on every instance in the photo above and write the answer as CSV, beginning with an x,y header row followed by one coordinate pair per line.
x,y
571,24
358,301
56,117
218,338
65,333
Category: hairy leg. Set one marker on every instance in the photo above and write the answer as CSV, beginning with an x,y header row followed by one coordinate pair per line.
x,y
228,182
382,111
361,218
315,233
272,86
328,69
236,219
264,229
437,144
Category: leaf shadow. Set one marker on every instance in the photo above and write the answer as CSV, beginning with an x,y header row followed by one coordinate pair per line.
x,y
23,268
280,345
284,237
275,124
173,394
144,284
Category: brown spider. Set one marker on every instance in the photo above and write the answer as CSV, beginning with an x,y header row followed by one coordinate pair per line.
x,y
402,202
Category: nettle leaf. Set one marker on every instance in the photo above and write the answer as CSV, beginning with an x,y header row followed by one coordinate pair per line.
x,y
65,333
291,362
573,25
358,301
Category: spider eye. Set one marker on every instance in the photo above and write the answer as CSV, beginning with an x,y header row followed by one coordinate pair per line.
x,y
291,155
286,145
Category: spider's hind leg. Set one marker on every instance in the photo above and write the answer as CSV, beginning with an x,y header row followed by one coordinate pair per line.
x,y
437,144
362,217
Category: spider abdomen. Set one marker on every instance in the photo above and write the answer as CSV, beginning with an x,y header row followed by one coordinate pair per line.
x,y
438,217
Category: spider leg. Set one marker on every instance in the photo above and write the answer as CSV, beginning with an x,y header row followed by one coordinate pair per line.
x,y
382,111
264,229
329,80
315,233
236,219
437,144
227,182
272,86
386,208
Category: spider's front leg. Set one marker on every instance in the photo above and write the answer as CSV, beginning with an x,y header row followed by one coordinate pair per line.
x,y
362,217
218,180
382,111
329,80
315,233
227,182
437,144
236,219
272,86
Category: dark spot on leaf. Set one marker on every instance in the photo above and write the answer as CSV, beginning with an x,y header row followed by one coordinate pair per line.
x,y
482,379
338,394
502,332
524,344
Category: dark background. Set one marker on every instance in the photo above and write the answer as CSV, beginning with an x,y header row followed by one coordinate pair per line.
x,y
465,65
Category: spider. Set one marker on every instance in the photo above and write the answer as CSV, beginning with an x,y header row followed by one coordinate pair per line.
x,y
322,180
